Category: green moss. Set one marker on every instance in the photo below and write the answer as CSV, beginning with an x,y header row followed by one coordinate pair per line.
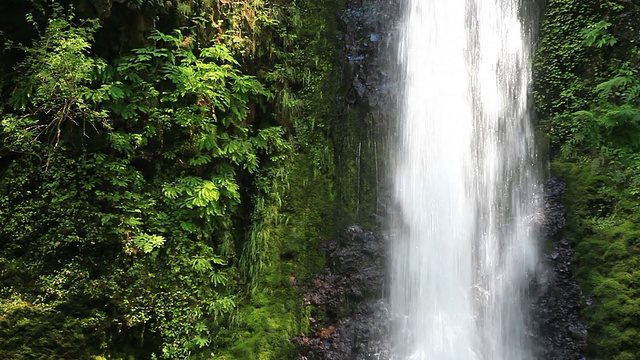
x,y
602,220
625,356
37,332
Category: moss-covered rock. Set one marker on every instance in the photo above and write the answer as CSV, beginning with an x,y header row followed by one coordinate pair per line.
x,y
37,332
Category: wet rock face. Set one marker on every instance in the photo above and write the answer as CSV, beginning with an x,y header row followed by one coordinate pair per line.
x,y
554,214
562,333
348,319
369,40
348,311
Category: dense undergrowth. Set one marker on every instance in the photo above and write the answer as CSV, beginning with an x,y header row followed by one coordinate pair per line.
x,y
167,174
588,98
168,170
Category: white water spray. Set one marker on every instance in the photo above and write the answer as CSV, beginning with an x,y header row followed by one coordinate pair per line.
x,y
462,245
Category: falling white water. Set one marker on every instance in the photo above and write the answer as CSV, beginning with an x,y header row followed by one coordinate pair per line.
x,y
463,244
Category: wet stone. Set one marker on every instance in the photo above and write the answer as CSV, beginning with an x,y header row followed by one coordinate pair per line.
x,y
348,297
556,306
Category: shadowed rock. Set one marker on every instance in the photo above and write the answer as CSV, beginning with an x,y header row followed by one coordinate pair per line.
x,y
348,317
562,333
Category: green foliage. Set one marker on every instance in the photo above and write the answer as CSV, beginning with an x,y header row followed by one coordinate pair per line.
x,y
54,89
293,201
596,35
22,325
603,218
561,59
146,245
588,95
159,202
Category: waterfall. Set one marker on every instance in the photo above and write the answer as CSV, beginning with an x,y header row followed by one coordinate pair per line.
x,y
463,239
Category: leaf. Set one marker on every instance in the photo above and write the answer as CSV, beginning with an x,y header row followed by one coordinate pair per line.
x,y
201,265
147,243
198,160
605,88
218,260
170,191
209,191
116,92
189,227
201,342
218,278
218,52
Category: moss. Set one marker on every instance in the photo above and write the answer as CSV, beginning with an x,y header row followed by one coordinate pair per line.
x,y
32,332
356,145
273,313
602,220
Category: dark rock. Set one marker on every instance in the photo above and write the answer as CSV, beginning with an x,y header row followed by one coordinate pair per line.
x,y
562,333
554,214
103,7
348,298
368,29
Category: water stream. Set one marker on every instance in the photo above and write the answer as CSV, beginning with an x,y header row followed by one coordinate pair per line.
x,y
463,243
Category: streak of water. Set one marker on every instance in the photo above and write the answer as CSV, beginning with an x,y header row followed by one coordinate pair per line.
x,y
464,182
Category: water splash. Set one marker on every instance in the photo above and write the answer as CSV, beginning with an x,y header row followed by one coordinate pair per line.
x,y
465,183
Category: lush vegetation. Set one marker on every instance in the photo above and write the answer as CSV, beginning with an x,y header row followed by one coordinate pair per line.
x,y
168,170
588,98
167,174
